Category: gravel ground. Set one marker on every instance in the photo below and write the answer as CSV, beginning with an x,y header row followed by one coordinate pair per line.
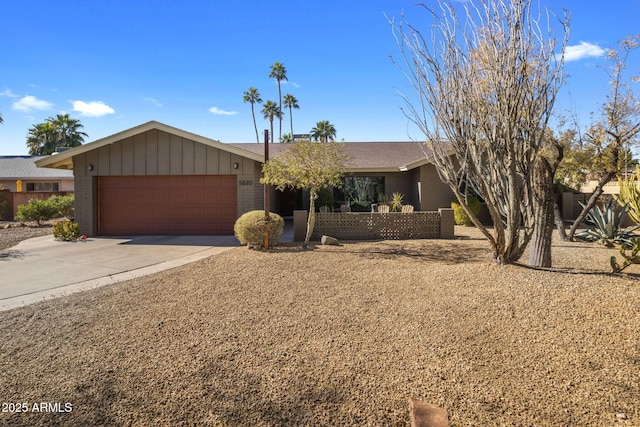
x,y
19,232
339,335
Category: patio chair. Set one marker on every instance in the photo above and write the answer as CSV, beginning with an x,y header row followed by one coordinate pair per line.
x,y
324,209
383,208
345,208
407,209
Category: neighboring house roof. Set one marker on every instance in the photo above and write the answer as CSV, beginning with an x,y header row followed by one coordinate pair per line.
x,y
64,160
24,167
366,156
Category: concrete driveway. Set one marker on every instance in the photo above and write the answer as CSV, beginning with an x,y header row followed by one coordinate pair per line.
x,y
41,268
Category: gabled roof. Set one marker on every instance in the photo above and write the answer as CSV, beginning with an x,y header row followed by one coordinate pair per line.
x,y
64,160
366,156
24,167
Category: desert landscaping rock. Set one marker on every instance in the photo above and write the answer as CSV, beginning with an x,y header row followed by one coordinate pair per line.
x,y
328,240
337,335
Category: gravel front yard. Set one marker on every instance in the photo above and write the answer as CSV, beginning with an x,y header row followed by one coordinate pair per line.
x,y
336,336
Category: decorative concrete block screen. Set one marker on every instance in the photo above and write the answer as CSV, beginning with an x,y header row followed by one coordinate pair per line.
x,y
379,226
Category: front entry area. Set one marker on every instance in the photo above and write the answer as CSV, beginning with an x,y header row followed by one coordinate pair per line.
x,y
167,205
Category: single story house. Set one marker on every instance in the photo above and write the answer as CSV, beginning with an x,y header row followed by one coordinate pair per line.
x,y
21,180
157,179
31,177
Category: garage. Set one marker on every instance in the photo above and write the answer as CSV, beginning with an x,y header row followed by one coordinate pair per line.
x,y
167,205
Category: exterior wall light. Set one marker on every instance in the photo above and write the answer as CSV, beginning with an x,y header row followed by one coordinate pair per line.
x,y
236,165
90,167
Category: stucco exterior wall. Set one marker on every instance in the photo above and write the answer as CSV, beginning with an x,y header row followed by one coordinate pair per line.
x,y
434,194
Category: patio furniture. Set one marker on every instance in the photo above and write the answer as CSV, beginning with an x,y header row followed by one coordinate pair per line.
x,y
383,209
345,208
324,209
407,209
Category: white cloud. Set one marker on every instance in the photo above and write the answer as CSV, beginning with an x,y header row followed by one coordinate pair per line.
x,y
8,94
582,50
30,103
219,112
153,101
92,109
294,84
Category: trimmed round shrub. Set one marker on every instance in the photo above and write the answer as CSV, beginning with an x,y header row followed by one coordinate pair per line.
x,y
66,231
460,216
250,228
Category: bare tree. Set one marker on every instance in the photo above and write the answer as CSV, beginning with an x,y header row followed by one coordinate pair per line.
x,y
610,139
485,83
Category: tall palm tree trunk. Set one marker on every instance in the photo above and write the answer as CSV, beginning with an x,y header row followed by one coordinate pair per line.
x,y
255,125
291,121
279,108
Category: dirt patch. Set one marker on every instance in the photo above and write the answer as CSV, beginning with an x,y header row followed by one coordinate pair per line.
x,y
337,336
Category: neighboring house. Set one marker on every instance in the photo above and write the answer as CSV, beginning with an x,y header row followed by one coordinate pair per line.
x,y
33,178
157,179
34,182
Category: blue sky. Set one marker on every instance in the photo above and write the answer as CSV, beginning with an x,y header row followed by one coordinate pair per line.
x,y
117,64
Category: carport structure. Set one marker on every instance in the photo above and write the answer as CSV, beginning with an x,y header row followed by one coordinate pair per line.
x,y
155,179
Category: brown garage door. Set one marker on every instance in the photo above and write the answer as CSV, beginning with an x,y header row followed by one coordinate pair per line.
x,y
166,205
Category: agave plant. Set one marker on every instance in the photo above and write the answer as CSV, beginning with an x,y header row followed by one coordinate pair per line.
x,y
607,226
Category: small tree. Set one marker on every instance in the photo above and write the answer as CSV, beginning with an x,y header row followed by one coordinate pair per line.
x,y
609,141
309,166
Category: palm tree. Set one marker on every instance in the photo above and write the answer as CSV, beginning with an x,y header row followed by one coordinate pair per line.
x,y
324,131
253,96
279,73
270,110
287,138
291,102
68,132
61,131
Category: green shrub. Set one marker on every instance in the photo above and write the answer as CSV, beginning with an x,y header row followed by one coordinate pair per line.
x,y
64,206
396,202
460,216
67,231
37,210
250,228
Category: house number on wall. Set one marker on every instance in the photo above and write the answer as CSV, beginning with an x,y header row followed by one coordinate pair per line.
x,y
246,182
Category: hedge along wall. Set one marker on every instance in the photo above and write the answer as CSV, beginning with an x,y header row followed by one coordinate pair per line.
x,y
377,226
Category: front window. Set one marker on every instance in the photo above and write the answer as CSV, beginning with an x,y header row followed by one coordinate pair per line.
x,y
360,192
43,186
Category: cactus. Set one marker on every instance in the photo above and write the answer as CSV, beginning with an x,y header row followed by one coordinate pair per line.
x,y
607,226
630,195
633,258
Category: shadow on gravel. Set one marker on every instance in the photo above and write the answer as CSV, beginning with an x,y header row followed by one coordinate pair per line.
x,y
11,254
442,251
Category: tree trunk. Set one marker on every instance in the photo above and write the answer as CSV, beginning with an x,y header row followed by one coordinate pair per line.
x,y
311,219
543,200
559,222
590,203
